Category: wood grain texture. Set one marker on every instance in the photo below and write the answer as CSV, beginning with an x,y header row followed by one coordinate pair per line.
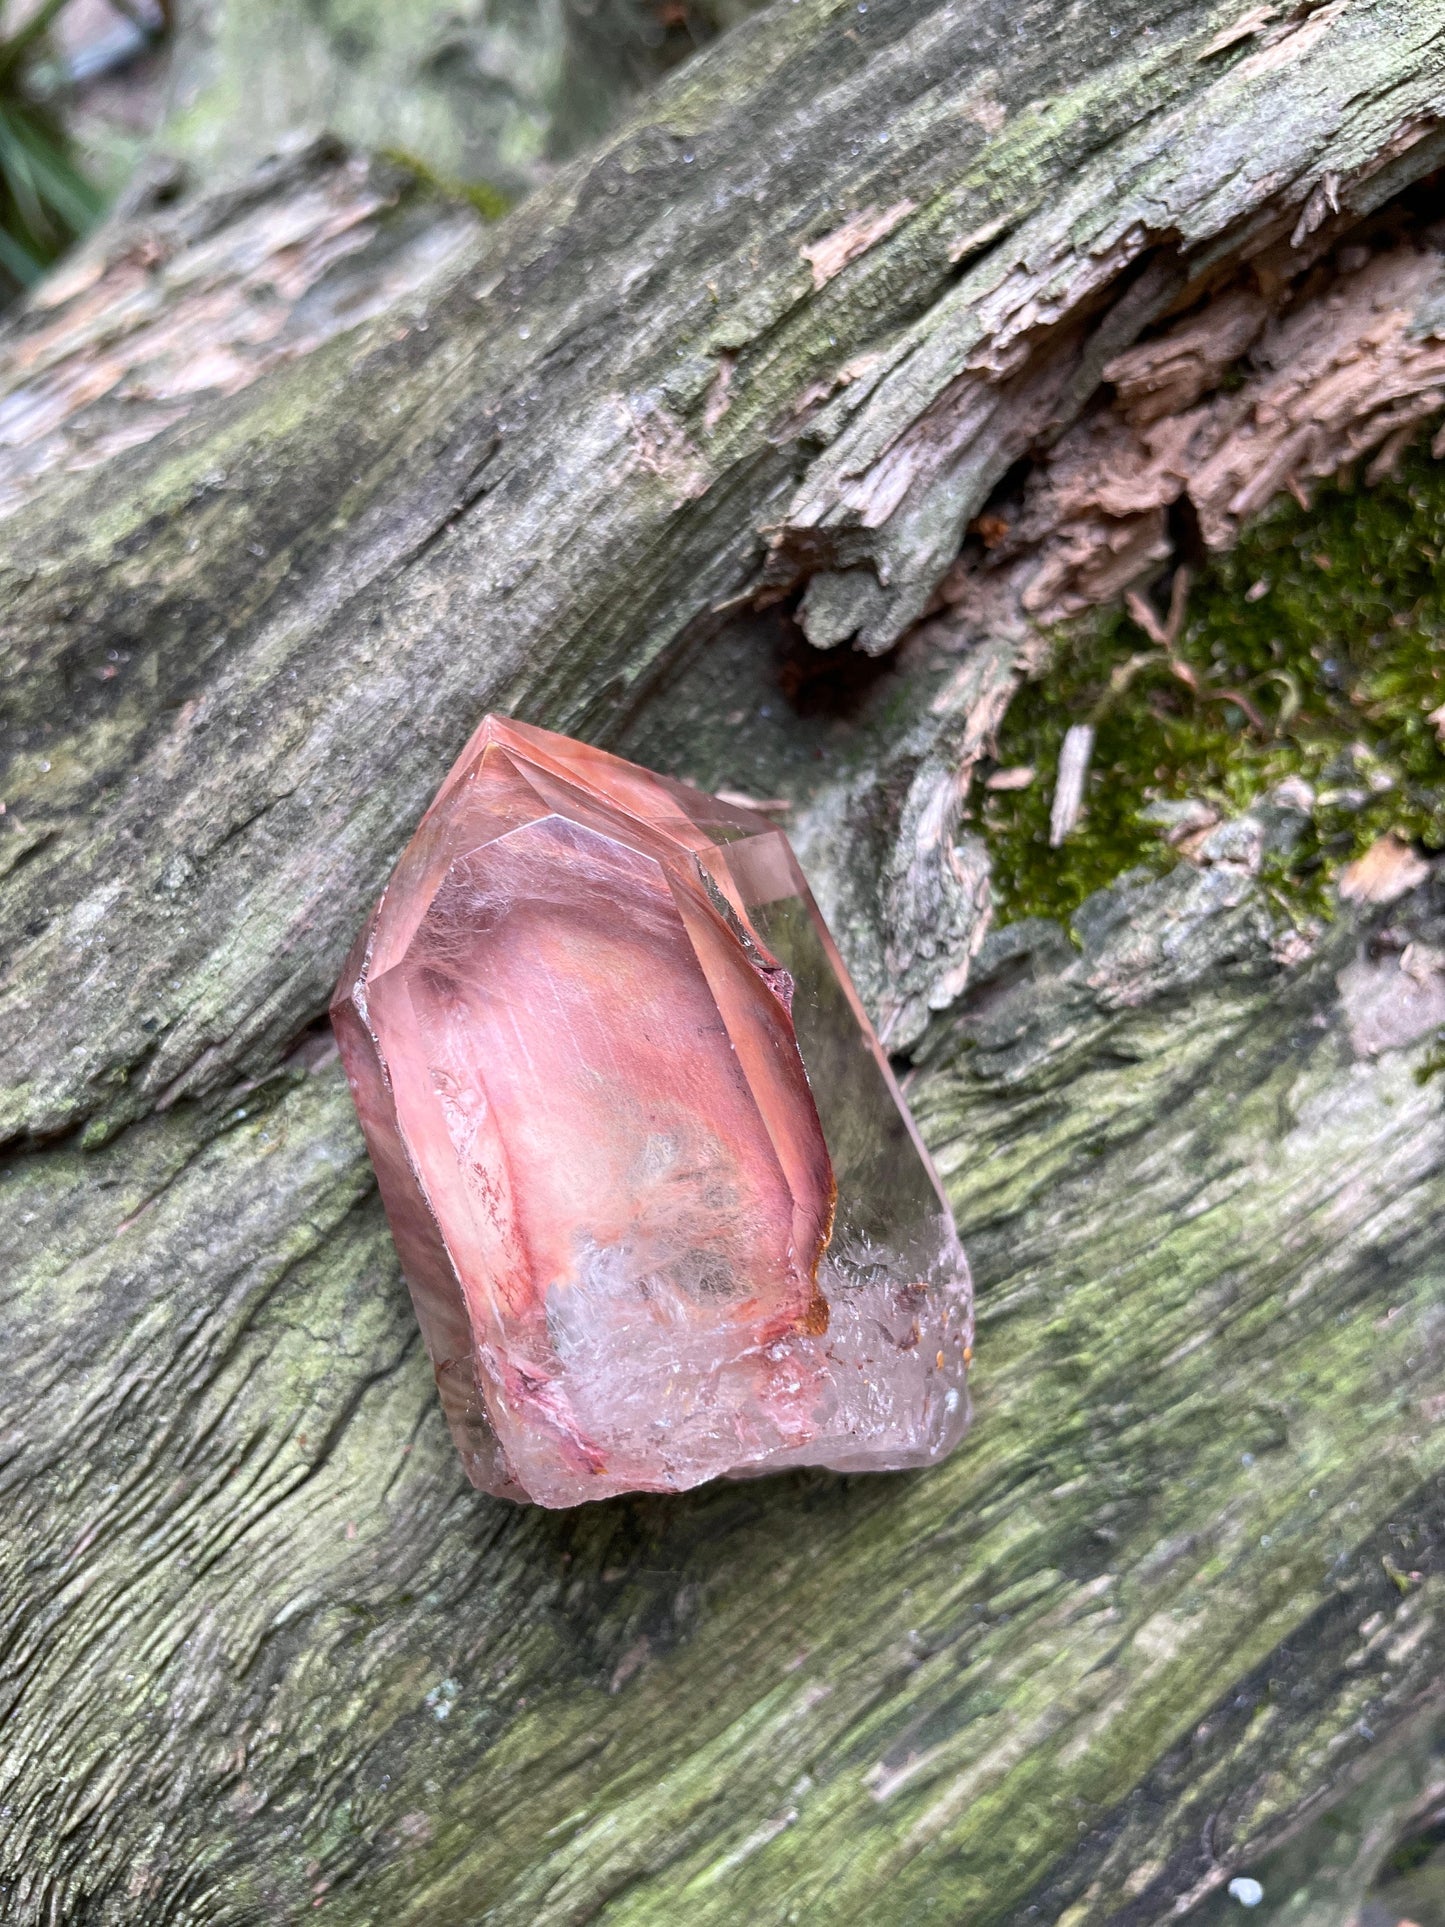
x,y
263,1656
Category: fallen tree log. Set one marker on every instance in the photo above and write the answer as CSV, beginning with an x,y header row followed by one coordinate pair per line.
x,y
776,342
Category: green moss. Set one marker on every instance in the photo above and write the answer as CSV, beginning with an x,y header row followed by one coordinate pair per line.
x,y
488,200
1330,622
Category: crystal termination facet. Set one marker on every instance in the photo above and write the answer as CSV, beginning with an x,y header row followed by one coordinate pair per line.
x,y
662,1209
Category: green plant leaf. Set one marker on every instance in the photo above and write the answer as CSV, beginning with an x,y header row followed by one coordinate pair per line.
x,y
18,262
46,202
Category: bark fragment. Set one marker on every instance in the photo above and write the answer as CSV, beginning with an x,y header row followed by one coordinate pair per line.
x,y
1353,367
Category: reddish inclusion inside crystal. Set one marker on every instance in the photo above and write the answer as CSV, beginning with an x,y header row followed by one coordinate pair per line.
x,y
585,1030
572,1052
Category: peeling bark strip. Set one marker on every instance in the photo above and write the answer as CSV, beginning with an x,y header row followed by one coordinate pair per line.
x,y
1068,803
833,253
261,1657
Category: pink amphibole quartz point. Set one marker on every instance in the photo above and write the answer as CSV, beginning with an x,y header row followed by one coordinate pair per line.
x,y
662,1209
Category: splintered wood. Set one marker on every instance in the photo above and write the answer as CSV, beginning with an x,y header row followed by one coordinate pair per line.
x,y
1226,409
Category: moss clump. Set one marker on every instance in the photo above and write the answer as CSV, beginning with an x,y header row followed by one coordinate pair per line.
x,y
490,201
1329,622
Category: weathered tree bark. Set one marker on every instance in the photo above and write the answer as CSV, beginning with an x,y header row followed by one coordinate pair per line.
x,y
263,1655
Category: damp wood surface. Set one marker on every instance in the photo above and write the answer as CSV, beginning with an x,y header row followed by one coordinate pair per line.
x,y
263,1655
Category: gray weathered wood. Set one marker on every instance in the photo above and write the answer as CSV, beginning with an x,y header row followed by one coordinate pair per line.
x,y
263,1655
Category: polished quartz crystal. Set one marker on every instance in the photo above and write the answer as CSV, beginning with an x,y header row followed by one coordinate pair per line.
x,y
660,1204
